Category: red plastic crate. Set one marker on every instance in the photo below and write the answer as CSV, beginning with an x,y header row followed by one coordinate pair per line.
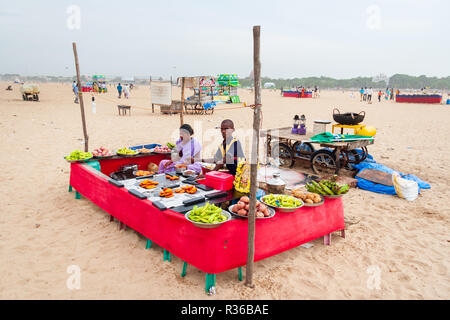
x,y
219,180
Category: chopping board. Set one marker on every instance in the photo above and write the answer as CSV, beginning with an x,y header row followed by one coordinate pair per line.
x,y
376,176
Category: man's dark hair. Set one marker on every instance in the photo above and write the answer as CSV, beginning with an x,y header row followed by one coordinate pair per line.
x,y
228,121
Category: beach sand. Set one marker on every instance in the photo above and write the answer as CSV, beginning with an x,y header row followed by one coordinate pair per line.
x,y
44,230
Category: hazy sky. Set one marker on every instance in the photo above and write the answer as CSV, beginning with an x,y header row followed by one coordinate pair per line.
x,y
340,39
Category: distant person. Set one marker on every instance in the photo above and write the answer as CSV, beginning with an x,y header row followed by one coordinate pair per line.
x,y
126,91
380,94
75,91
369,95
387,94
119,90
361,93
392,93
365,94
315,91
94,109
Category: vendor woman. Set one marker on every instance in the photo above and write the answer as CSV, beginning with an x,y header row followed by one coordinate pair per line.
x,y
230,150
189,152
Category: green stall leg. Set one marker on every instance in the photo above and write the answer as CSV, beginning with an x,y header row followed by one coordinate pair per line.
x,y
210,281
240,273
183,273
149,244
70,188
167,256
77,195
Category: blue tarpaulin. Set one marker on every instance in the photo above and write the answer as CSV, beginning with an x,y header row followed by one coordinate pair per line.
x,y
369,163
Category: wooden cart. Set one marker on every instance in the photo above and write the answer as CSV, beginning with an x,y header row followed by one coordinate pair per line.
x,y
288,147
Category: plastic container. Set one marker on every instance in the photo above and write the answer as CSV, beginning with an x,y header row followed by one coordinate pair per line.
x,y
219,180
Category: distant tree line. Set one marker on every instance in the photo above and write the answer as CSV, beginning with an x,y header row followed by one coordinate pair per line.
x,y
401,81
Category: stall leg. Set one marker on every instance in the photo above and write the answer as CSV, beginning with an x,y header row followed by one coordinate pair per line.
x,y
210,282
111,218
183,272
240,273
149,244
167,256
70,188
77,195
327,239
343,234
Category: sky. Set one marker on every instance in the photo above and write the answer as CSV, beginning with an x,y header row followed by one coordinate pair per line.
x,y
339,39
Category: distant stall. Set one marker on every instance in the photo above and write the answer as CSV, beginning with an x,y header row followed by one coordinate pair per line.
x,y
418,98
227,88
99,83
297,93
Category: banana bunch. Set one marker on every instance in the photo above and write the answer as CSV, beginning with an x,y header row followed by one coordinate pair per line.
x,y
327,187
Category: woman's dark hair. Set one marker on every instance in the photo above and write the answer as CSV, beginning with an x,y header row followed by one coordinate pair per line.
x,y
188,128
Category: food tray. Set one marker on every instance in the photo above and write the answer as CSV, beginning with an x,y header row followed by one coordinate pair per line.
x,y
104,157
75,161
315,204
283,209
153,150
271,210
208,225
127,155
334,196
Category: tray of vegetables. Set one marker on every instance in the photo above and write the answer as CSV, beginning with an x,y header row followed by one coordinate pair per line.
x,y
242,208
282,202
209,216
78,156
126,152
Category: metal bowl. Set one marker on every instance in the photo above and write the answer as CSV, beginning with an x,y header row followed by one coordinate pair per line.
x,y
208,225
271,210
127,155
333,196
77,161
315,204
280,209
180,170
189,174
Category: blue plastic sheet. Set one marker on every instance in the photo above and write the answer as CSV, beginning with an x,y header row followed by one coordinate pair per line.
x,y
369,163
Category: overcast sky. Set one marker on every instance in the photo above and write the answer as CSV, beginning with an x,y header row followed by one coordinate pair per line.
x,y
340,39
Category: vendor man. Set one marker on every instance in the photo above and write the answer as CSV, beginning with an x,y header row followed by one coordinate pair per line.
x,y
230,150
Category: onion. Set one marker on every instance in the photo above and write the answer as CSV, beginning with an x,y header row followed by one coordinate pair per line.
x,y
245,199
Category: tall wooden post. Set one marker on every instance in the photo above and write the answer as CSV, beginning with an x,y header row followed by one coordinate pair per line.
x,y
254,159
182,102
80,96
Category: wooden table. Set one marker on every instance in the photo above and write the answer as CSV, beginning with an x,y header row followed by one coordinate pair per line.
x,y
123,109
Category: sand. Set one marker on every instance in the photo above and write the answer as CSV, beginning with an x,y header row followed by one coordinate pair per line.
x,y
394,249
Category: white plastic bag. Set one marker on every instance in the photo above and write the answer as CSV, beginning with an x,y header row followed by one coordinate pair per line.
x,y
406,189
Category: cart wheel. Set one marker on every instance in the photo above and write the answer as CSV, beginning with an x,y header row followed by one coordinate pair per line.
x,y
323,162
303,150
352,157
284,154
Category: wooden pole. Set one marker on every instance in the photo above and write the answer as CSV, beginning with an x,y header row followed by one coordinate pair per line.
x,y
254,159
80,96
182,102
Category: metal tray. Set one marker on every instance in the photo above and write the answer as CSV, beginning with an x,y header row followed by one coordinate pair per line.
x,y
283,209
271,210
76,161
208,225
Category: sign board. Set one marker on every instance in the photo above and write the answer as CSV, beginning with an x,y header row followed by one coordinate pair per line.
x,y
161,92
207,82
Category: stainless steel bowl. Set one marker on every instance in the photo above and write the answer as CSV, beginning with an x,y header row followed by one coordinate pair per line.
x,y
208,225
280,209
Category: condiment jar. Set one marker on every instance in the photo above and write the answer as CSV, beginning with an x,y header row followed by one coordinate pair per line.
x,y
275,184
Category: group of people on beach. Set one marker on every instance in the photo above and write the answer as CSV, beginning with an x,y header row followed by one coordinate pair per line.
x,y
367,93
125,89
189,151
